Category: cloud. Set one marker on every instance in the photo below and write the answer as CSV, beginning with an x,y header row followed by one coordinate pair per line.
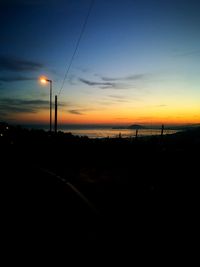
x,y
132,77
160,106
116,82
17,101
72,79
116,96
105,85
157,106
26,2
16,78
108,79
118,86
109,102
189,53
8,105
75,112
8,63
122,100
36,102
91,83
2,114
84,70
78,110
65,104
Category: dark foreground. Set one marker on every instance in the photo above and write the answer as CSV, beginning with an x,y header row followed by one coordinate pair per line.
x,y
140,197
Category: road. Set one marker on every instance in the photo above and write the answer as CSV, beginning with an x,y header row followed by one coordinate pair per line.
x,y
41,210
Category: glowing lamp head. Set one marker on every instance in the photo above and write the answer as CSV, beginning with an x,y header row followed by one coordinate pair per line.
x,y
43,80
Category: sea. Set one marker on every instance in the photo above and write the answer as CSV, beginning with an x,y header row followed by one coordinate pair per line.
x,y
98,131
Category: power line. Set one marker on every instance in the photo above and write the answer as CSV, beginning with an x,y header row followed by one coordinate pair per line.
x,y
77,44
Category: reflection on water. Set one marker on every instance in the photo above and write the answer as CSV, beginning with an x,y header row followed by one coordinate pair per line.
x,y
105,132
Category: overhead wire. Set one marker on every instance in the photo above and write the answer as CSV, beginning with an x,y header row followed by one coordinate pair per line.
x,y
77,45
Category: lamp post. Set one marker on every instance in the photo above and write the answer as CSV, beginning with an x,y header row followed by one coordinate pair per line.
x,y
44,81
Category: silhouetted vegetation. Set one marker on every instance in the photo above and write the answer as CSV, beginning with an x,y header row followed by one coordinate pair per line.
x,y
143,188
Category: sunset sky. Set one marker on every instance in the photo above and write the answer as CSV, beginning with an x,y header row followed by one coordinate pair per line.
x,y
138,61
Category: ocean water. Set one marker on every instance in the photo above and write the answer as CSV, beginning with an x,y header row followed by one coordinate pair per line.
x,y
96,131
109,132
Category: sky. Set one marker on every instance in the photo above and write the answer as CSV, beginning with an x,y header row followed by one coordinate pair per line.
x,y
138,61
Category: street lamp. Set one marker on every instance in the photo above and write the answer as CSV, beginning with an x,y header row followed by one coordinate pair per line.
x,y
44,80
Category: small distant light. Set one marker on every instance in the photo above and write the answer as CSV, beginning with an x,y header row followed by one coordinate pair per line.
x,y
7,128
1,134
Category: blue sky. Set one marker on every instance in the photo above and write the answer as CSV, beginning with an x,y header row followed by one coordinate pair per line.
x,y
138,61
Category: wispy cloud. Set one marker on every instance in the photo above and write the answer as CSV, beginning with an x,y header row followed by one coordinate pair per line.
x,y
8,63
72,79
188,53
116,96
160,106
133,77
26,2
118,99
141,76
105,85
156,106
92,83
75,112
117,86
122,100
105,103
83,69
8,105
17,101
79,110
106,82
16,78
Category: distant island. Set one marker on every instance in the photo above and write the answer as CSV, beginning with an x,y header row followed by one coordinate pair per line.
x,y
168,127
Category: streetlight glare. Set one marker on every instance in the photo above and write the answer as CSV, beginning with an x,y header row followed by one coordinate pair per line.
x,y
43,80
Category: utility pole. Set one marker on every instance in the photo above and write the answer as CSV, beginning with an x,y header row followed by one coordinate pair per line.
x,y
44,80
56,107
136,134
162,129
50,81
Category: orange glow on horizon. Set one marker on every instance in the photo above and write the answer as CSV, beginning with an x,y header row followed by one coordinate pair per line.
x,y
65,118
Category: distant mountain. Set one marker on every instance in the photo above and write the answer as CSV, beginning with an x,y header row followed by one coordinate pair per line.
x,y
166,127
